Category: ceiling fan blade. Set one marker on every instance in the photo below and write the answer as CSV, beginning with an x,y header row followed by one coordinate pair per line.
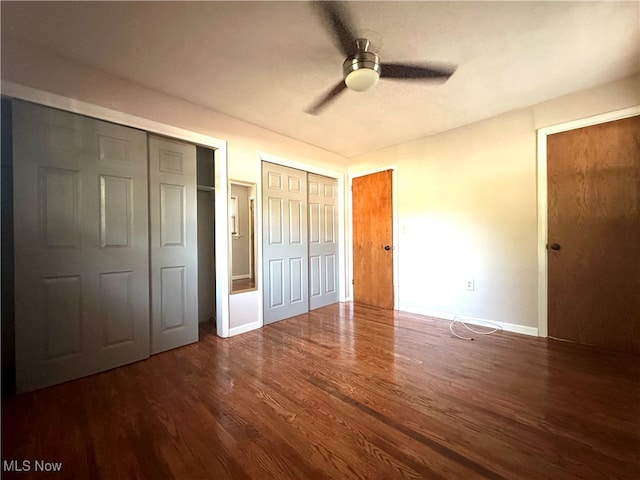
x,y
402,71
327,98
338,20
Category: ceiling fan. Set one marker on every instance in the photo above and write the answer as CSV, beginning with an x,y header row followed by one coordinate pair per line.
x,y
362,67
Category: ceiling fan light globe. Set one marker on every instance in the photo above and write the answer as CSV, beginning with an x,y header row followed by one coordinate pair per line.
x,y
361,79
361,71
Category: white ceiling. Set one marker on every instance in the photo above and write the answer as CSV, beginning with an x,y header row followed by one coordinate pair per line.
x,y
265,62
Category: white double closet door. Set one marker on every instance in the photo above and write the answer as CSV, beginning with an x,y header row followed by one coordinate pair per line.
x,y
104,227
300,241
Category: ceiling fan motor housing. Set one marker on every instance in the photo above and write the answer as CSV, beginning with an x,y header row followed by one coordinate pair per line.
x,y
361,71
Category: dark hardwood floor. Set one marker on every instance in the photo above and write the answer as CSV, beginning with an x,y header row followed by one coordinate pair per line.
x,y
342,392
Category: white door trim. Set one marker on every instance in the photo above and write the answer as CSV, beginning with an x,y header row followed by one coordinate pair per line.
x,y
542,198
48,99
395,226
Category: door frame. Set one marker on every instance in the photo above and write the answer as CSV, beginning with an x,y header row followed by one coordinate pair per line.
x,y
395,229
47,99
340,177
542,134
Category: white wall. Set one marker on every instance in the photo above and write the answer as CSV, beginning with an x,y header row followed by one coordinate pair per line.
x,y
467,209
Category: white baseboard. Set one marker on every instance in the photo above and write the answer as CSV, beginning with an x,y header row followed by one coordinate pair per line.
x,y
244,328
508,327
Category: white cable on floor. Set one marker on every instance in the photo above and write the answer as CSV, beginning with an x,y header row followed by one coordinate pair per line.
x,y
458,319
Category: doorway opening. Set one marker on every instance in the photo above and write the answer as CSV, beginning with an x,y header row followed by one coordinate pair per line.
x,y
205,167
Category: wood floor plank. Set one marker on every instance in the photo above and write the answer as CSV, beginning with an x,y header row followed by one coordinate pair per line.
x,y
345,391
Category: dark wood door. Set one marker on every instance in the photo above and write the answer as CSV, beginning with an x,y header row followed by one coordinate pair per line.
x,y
373,239
594,235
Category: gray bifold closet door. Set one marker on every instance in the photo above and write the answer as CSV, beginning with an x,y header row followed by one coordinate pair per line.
x,y
285,242
81,245
300,249
105,226
174,243
323,240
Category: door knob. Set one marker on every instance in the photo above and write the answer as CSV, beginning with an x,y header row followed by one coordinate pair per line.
x,y
388,247
554,246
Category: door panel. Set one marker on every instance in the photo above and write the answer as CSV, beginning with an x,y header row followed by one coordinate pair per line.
x,y
81,245
174,262
297,279
315,280
275,220
63,316
594,217
116,211
59,191
172,215
372,232
323,246
115,302
172,298
276,283
285,249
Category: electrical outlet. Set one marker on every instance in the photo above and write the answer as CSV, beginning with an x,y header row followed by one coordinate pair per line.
x,y
469,284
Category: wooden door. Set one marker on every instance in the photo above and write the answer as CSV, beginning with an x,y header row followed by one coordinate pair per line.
x,y
81,245
373,239
594,235
323,241
174,243
285,242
